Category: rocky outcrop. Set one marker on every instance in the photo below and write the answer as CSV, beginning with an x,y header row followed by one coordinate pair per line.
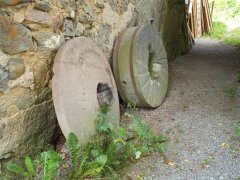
x,y
30,34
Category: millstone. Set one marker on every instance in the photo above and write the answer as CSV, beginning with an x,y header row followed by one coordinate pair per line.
x,y
82,83
140,66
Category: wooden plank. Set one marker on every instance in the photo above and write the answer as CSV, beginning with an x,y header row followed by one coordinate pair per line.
x,y
198,19
209,15
194,18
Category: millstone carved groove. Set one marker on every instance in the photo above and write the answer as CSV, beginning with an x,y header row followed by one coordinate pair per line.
x,y
140,66
82,83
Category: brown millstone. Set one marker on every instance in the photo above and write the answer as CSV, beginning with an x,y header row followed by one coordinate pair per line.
x,y
82,82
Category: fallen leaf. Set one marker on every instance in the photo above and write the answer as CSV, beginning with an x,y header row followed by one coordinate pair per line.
x,y
224,144
138,154
171,163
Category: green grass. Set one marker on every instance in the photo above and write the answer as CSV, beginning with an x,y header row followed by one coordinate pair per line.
x,y
233,38
102,157
223,12
238,129
238,78
231,92
221,33
218,31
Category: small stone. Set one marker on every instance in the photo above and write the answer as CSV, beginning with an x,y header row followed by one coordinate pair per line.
x,y
58,22
34,46
89,16
86,19
39,17
2,129
12,2
15,38
18,17
62,3
72,13
15,68
100,3
42,5
79,2
6,12
68,28
48,41
3,59
22,5
11,111
3,79
54,42
5,156
80,29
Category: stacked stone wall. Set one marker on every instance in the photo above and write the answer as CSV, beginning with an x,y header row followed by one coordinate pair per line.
x,y
31,33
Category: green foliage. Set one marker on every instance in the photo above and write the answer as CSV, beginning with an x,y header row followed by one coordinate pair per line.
x,y
218,31
238,78
28,173
131,105
231,92
17,169
230,12
147,141
238,129
233,38
103,121
30,166
74,149
51,161
228,8
103,156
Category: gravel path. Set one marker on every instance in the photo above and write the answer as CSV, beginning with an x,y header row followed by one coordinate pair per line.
x,y
199,118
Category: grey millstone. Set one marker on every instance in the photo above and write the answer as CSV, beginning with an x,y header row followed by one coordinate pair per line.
x,y
42,5
3,79
15,38
16,68
147,56
68,28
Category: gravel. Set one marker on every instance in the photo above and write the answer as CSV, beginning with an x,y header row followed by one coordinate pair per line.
x,y
198,117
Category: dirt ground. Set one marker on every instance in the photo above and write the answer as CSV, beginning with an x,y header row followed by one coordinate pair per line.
x,y
199,116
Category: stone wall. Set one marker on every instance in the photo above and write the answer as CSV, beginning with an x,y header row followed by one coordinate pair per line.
x,y
30,34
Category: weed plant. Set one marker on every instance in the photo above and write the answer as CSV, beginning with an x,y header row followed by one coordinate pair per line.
x,y
102,157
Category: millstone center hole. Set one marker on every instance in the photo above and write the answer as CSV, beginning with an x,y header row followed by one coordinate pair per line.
x,y
152,66
104,94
